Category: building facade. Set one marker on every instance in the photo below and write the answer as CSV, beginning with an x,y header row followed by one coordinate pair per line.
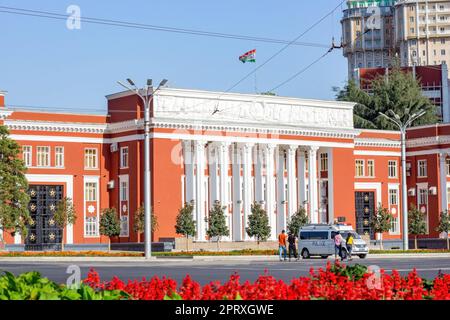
x,y
210,146
416,31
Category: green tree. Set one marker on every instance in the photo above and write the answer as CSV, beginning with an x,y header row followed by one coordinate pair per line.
x,y
64,215
444,225
381,222
398,91
185,224
217,223
14,215
258,223
297,220
139,221
416,223
109,224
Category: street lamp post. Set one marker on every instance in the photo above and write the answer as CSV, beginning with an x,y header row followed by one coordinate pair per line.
x,y
146,94
403,125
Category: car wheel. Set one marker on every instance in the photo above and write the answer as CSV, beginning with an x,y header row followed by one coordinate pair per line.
x,y
305,254
362,256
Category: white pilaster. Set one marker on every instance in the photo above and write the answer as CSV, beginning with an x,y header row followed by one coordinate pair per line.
x,y
247,177
213,178
259,182
281,192
313,194
301,177
443,179
330,186
270,187
224,196
200,209
189,170
237,194
291,177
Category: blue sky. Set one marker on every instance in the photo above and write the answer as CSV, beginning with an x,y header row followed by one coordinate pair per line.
x,y
42,63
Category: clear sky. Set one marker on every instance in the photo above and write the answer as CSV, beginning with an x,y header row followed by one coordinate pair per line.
x,y
42,63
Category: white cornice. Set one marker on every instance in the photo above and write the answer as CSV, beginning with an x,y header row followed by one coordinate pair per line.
x,y
244,97
428,141
4,113
380,143
52,126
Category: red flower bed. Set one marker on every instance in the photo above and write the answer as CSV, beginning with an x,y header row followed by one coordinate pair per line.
x,y
326,284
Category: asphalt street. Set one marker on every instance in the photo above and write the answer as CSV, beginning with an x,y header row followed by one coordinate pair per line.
x,y
206,271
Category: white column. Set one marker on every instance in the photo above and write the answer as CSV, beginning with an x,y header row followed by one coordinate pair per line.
x,y
330,186
213,178
224,196
200,210
189,171
247,177
443,178
237,194
281,192
313,194
301,177
292,185
259,181
270,187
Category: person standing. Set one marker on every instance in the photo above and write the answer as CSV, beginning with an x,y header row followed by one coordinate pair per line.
x,y
282,242
292,240
349,245
337,245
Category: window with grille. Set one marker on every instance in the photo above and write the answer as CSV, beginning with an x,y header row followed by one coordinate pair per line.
x,y
359,168
27,155
43,156
394,225
324,162
392,169
371,168
90,158
90,191
59,157
422,168
91,226
124,157
393,197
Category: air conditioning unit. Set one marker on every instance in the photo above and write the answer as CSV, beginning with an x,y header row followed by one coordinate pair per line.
x,y
412,192
432,191
110,185
114,147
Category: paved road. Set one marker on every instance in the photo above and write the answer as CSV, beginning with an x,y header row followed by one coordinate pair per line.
x,y
206,271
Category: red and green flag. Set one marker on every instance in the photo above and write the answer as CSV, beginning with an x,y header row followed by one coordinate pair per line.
x,y
248,56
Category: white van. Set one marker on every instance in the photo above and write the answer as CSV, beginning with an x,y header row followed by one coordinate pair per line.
x,y
318,240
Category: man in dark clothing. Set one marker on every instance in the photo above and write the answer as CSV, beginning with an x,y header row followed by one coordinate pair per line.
x,y
292,240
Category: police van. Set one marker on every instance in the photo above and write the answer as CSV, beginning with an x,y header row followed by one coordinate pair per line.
x,y
318,240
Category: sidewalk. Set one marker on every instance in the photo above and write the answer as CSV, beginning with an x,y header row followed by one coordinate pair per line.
x,y
272,258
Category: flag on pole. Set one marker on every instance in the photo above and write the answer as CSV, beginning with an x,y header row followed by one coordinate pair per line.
x,y
248,56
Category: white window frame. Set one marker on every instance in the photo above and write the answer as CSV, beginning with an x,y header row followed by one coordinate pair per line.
x,y
124,196
393,195
124,164
90,158
395,225
422,171
373,168
92,180
324,161
394,167
361,165
27,155
40,154
423,187
59,157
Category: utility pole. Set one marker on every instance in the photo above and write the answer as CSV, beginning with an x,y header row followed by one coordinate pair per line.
x,y
146,95
403,124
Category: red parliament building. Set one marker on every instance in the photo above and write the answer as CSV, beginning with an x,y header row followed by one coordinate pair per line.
x,y
282,152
